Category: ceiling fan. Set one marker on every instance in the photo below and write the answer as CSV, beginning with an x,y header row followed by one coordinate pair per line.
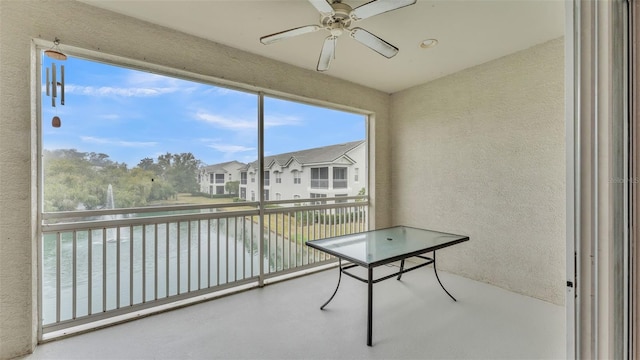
x,y
337,17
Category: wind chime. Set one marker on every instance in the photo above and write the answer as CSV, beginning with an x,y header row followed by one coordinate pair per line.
x,y
53,83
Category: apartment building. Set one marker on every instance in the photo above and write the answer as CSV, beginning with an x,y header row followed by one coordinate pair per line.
x,y
214,178
328,171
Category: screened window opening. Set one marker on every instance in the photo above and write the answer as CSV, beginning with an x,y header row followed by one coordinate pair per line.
x,y
339,178
167,202
320,178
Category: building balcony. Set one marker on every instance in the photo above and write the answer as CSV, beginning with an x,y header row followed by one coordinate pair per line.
x,y
340,183
413,319
319,183
98,265
146,265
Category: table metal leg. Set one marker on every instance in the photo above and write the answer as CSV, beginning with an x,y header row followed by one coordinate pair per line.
x,y
370,307
401,268
337,286
436,271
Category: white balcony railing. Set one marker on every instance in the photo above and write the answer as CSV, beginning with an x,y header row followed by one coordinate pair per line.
x,y
99,264
319,183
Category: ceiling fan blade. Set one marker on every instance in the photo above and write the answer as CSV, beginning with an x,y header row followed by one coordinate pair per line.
x,y
288,33
327,53
376,7
374,43
322,6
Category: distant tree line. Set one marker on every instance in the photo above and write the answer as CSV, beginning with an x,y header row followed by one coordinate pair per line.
x,y
78,180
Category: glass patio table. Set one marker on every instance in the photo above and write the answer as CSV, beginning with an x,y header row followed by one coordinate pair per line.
x,y
383,246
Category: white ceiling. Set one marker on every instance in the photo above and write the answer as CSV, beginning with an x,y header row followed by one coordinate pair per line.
x,y
469,32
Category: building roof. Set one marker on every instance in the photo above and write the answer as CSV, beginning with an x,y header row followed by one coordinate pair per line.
x,y
324,154
221,168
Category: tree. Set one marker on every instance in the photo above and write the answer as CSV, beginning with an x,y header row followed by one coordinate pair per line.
x,y
232,187
180,170
75,180
68,181
149,164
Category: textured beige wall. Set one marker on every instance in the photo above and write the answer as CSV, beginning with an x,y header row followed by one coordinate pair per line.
x,y
482,152
86,27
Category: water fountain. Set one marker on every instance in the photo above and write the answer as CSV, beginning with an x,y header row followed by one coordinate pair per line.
x,y
110,204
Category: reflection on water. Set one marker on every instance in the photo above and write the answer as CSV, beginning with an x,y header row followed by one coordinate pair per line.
x,y
155,261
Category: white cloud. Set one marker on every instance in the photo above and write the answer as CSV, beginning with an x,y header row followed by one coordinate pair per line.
x,y
119,91
281,120
141,77
227,123
116,142
240,124
229,148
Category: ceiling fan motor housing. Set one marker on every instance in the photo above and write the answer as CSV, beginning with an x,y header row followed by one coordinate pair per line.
x,y
339,20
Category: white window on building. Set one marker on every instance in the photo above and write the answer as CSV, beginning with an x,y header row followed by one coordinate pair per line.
x,y
253,178
219,190
339,177
243,193
296,177
355,174
266,178
243,178
278,196
339,201
278,177
253,195
211,178
266,195
219,178
320,178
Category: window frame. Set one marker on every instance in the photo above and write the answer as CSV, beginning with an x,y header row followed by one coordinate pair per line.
x,y
316,183
143,66
340,181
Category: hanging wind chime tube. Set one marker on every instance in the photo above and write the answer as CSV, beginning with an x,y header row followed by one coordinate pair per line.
x,y
52,84
61,84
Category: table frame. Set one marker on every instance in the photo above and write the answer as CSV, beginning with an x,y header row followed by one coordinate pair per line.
x,y
370,280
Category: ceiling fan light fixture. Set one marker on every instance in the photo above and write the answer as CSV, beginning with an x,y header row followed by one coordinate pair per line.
x,y
428,43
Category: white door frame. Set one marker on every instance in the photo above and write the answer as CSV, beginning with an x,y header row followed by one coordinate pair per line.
x,y
573,169
598,179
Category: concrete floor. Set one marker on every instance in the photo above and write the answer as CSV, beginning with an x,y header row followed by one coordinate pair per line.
x,y
413,319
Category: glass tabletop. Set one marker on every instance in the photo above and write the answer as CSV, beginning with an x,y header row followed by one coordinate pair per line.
x,y
378,247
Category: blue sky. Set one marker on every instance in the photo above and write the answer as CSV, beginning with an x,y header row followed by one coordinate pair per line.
x,y
130,115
